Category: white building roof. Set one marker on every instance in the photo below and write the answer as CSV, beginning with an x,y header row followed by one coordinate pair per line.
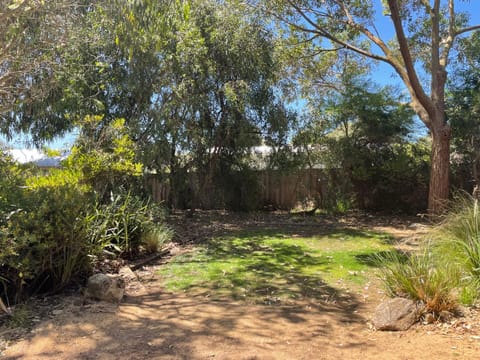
x,y
36,157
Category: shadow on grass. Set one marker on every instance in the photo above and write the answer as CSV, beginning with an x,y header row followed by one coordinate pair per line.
x,y
379,258
205,225
265,267
269,271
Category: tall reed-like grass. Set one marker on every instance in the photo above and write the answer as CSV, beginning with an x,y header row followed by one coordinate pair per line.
x,y
156,238
422,277
459,234
447,271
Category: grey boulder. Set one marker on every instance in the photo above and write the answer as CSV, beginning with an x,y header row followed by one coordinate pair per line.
x,y
106,288
397,314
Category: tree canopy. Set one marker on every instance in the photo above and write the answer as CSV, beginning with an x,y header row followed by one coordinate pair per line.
x,y
199,83
425,36
36,37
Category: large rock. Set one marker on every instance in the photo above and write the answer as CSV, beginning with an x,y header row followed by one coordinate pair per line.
x,y
396,314
105,288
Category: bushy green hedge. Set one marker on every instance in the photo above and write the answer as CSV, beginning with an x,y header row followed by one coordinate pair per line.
x,y
55,226
53,234
46,247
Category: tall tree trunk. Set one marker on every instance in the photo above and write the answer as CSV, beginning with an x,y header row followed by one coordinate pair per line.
x,y
439,174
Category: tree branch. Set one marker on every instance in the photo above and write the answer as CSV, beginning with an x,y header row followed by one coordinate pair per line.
x,y
318,30
448,43
415,87
467,29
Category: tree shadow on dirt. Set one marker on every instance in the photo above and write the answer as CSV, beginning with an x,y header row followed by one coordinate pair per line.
x,y
207,224
162,325
298,313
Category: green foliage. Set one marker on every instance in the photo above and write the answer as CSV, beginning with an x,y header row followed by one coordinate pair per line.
x,y
362,136
421,277
54,225
340,203
459,234
46,245
20,318
36,38
329,36
118,227
447,270
105,155
242,189
223,72
156,237
463,111
11,179
268,266
458,239
470,292
196,78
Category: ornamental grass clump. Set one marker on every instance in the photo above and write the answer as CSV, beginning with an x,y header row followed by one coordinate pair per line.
x,y
156,238
460,233
421,277
458,239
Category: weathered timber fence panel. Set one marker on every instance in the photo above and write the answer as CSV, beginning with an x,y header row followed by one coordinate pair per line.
x,y
285,191
277,189
160,191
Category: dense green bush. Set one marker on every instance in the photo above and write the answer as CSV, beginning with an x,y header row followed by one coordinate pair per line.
x,y
48,246
57,233
120,227
54,226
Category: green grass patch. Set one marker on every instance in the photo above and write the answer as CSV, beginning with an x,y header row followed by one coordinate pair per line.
x,y
267,266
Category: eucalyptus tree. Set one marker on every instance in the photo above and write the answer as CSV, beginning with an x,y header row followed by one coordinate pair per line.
x,y
219,98
188,77
35,36
426,33
98,67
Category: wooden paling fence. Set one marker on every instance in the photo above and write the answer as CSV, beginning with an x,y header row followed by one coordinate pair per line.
x,y
285,191
277,189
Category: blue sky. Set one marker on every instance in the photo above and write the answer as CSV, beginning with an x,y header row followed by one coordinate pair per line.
x,y
383,74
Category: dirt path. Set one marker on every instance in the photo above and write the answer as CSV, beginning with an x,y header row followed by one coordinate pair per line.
x,y
154,324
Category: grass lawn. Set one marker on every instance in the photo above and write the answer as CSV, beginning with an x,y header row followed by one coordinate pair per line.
x,y
268,266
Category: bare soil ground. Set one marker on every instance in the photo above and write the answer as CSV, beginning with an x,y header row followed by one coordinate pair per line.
x,y
154,324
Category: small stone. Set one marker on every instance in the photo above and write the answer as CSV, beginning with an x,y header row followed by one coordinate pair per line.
x,y
57,312
127,274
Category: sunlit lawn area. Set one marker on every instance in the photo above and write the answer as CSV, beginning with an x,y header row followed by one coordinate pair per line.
x,y
270,266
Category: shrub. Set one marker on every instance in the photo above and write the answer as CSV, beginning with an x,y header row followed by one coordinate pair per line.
x,y
52,225
421,277
118,227
105,158
156,238
45,247
460,232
